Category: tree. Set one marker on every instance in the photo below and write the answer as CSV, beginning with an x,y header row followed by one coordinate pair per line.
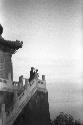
x,y
63,119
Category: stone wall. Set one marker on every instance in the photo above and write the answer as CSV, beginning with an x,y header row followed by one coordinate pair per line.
x,y
6,98
6,71
36,111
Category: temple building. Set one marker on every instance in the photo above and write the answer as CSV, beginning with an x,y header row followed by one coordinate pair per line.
x,y
7,49
25,101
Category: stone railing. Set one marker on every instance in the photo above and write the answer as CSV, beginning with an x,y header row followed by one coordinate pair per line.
x,y
20,101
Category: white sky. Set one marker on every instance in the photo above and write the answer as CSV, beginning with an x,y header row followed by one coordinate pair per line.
x,y
51,32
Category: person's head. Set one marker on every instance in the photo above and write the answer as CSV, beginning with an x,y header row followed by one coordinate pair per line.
x,y
32,68
36,70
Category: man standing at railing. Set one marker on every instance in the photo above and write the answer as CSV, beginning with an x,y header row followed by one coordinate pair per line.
x,y
32,72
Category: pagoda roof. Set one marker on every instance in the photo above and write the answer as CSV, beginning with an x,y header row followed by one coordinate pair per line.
x,y
12,45
9,45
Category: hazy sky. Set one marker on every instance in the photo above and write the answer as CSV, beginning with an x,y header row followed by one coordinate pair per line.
x,y
51,31
52,34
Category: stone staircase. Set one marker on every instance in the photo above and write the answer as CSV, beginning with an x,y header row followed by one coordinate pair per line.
x,y
8,118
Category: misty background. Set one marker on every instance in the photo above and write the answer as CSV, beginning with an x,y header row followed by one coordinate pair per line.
x,y
51,31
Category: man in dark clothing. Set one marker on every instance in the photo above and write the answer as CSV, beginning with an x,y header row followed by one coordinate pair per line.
x,y
31,73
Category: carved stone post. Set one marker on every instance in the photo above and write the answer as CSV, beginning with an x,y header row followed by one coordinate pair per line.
x,y
44,81
26,83
21,81
3,114
43,77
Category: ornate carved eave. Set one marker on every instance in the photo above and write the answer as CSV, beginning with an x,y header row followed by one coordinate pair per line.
x,y
7,45
11,46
